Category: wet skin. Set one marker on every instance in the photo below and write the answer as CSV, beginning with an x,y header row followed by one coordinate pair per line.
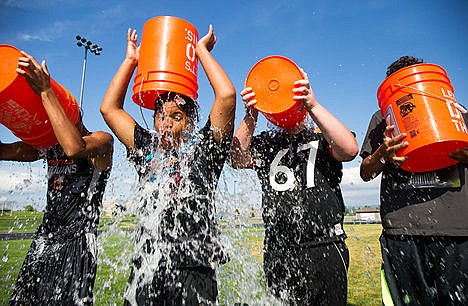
x,y
170,122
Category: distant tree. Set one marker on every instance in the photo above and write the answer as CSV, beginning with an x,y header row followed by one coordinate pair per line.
x,y
347,211
350,211
30,208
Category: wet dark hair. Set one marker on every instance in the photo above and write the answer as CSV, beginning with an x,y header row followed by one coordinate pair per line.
x,y
187,104
403,62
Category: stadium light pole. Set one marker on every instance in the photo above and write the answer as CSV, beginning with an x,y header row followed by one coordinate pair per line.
x,y
88,46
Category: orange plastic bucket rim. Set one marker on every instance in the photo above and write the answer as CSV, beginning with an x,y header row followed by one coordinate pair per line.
x,y
9,59
167,60
272,79
394,79
419,100
21,109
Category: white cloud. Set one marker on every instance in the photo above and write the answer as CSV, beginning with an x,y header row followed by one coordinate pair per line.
x,y
356,192
34,4
25,177
23,183
30,37
47,34
352,177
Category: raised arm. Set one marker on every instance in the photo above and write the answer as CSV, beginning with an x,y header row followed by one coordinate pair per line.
x,y
240,156
97,146
118,120
343,143
374,164
224,106
18,151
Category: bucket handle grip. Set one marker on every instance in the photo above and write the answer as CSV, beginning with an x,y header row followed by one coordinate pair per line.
x,y
141,109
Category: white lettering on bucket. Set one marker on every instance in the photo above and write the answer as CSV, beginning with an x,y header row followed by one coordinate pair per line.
x,y
460,126
190,52
190,63
190,36
191,67
454,112
16,118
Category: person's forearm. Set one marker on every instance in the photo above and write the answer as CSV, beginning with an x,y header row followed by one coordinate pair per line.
x,y
65,131
240,147
372,165
18,151
342,141
115,94
219,80
224,107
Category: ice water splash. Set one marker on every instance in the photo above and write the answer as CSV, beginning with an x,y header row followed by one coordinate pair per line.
x,y
240,281
238,202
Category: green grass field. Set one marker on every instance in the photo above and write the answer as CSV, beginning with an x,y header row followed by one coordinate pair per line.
x,y
240,280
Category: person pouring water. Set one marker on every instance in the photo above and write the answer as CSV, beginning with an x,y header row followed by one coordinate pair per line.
x,y
306,258
60,267
424,214
177,247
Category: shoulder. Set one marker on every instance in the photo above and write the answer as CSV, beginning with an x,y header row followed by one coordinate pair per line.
x,y
376,126
142,137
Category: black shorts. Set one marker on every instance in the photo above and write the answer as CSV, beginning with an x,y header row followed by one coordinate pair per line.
x,y
315,275
57,273
176,286
424,270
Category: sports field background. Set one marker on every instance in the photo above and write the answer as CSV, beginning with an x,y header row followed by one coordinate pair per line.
x,y
115,249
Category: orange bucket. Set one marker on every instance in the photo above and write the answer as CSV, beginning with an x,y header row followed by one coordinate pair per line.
x,y
21,109
272,79
167,60
419,101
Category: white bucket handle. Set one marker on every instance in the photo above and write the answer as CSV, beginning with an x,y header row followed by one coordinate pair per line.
x,y
458,106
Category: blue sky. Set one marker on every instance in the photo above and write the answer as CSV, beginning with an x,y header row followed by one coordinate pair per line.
x,y
344,46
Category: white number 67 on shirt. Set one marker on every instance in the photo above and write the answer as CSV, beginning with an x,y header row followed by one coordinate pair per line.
x,y
290,183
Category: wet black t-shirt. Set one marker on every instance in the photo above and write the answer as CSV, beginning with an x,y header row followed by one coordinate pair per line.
x,y
186,183
428,203
74,194
301,199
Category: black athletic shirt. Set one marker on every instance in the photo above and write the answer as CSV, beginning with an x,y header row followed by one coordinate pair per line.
x,y
302,201
74,195
423,210
188,223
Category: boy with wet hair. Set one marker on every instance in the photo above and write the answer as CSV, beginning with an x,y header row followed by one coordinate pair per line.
x,y
60,267
177,244
306,258
424,240
187,104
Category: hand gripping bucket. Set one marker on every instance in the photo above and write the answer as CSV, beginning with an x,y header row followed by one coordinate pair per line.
x,y
419,101
272,79
21,109
167,60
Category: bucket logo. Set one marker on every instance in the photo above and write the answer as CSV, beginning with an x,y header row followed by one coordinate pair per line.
x,y
406,109
17,118
406,106
190,63
454,112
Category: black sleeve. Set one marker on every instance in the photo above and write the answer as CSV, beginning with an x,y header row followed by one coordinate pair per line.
x,y
144,141
214,152
374,135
